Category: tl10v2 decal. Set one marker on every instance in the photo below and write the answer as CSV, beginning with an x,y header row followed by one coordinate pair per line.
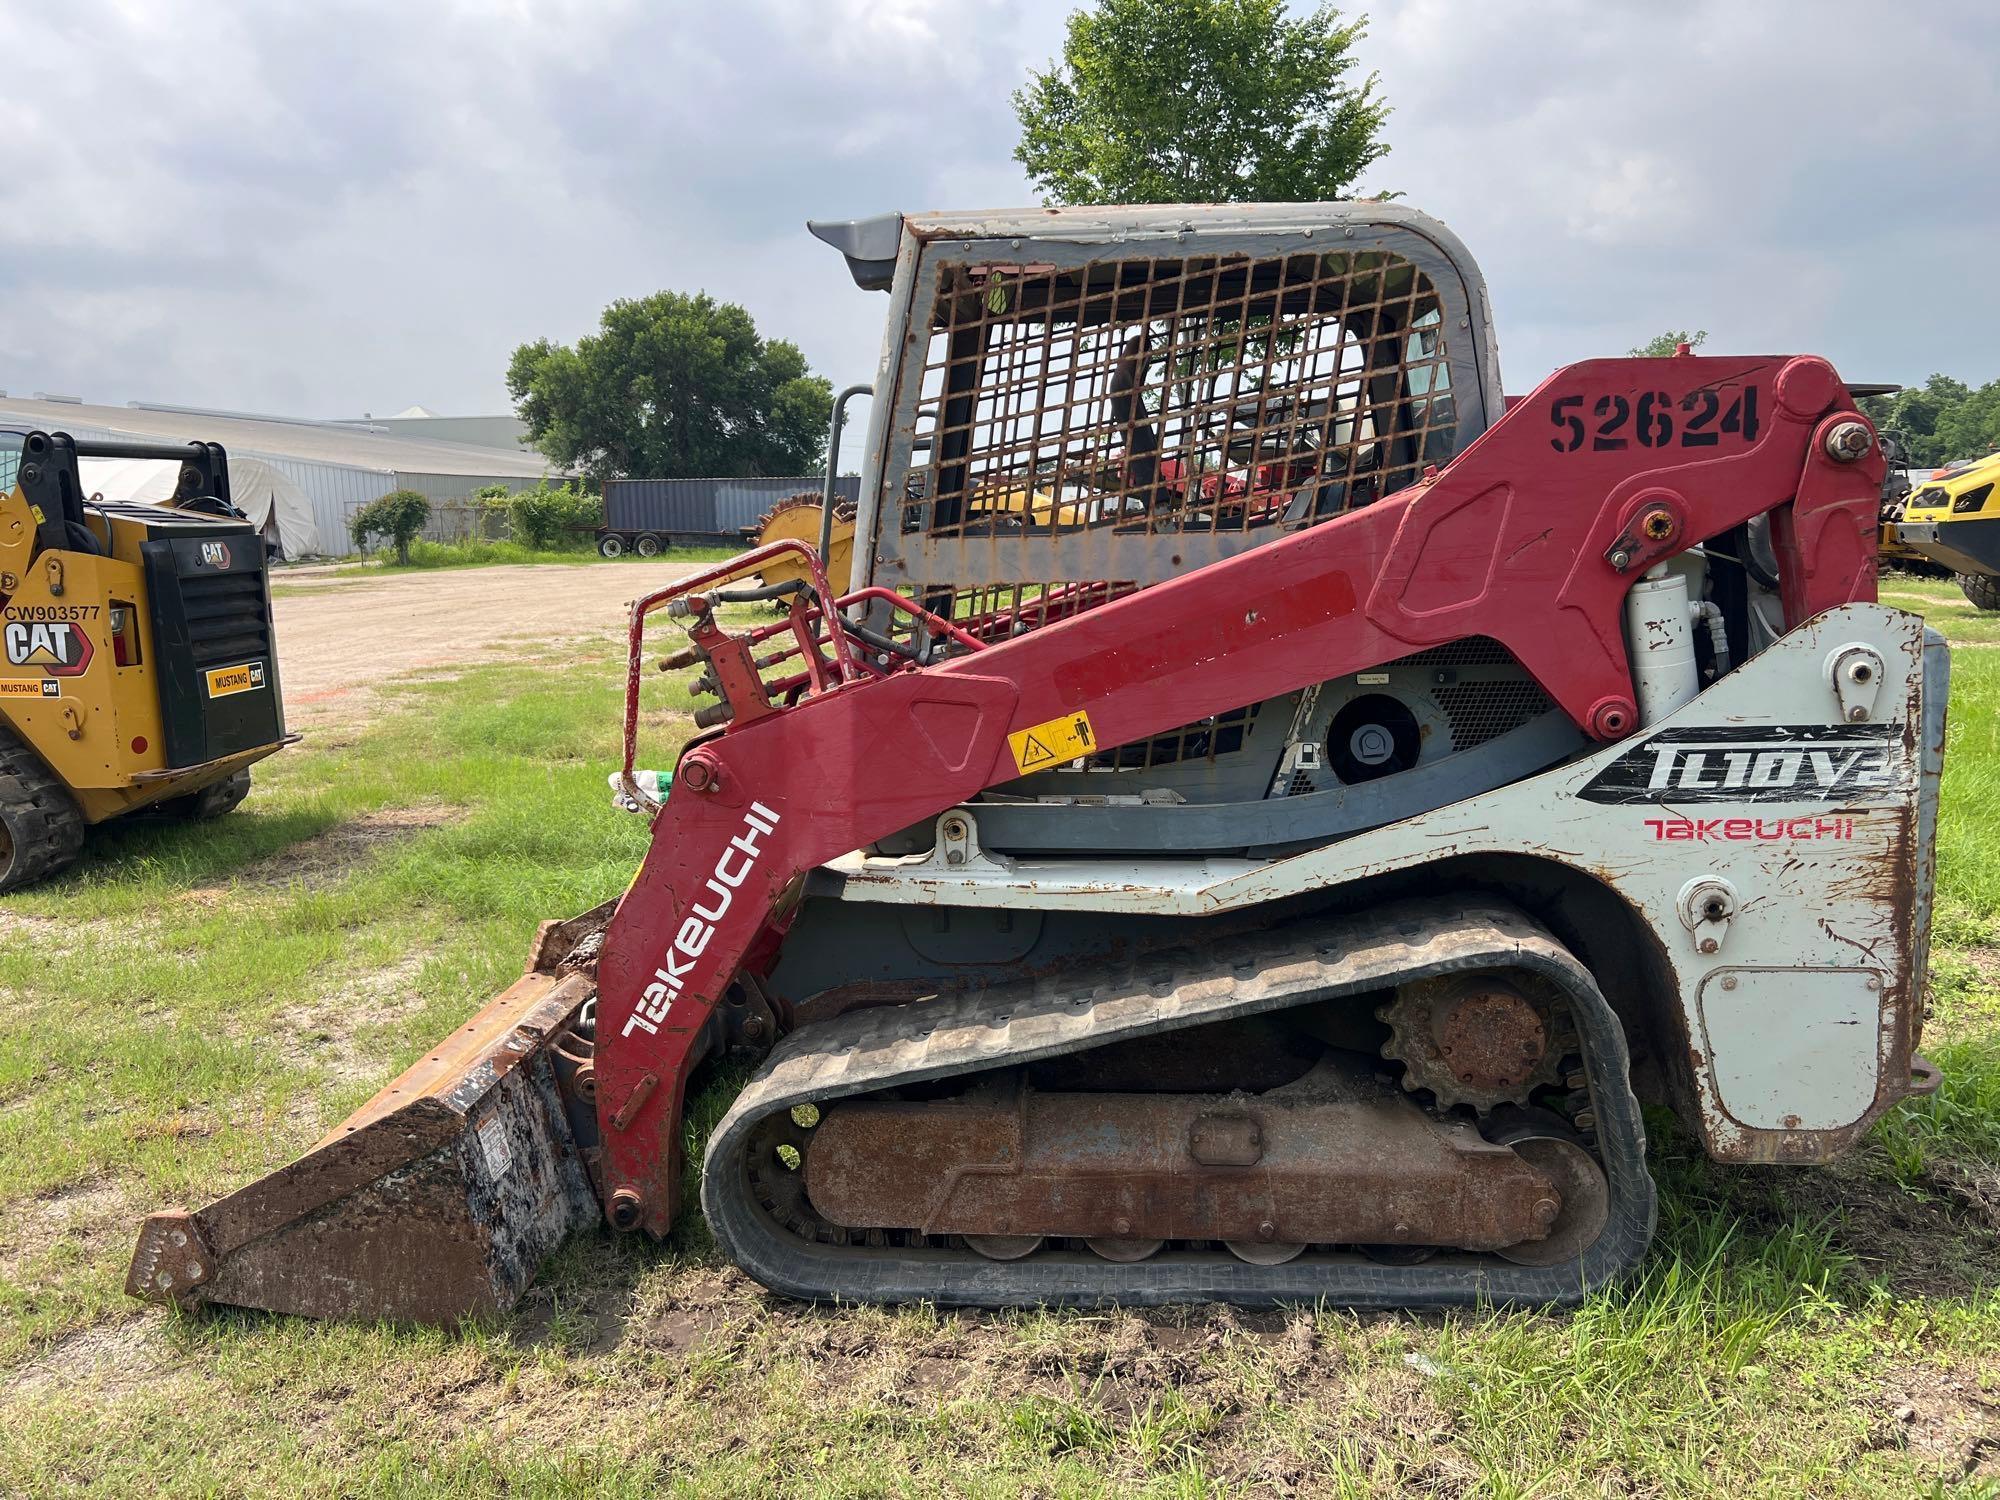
x,y
1835,763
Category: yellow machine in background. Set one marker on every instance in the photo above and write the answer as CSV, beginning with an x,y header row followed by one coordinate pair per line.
x,y
1952,520
136,661
797,519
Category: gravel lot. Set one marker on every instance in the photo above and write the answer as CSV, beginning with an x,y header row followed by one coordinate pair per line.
x,y
339,637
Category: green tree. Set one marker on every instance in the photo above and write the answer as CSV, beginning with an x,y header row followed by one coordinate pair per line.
x,y
1662,345
1970,427
673,386
1200,101
1941,420
399,516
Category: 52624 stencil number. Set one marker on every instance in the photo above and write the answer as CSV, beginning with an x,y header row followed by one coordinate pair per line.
x,y
1653,419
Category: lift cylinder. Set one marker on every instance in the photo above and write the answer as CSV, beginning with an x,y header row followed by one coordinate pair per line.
x,y
1659,634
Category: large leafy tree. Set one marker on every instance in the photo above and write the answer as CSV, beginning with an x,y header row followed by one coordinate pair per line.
x,y
1941,420
673,386
1200,101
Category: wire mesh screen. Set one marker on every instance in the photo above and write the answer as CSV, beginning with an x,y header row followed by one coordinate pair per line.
x,y
1483,691
1196,395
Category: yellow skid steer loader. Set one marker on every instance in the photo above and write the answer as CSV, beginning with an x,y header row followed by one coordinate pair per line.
x,y
138,669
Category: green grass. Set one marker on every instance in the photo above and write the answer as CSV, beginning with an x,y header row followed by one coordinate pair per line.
x,y
487,554
190,1007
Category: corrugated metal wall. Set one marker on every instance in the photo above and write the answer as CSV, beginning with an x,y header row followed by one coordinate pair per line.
x,y
449,521
458,486
708,507
333,489
336,491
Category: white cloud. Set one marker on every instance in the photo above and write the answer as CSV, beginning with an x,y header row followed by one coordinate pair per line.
x,y
1779,173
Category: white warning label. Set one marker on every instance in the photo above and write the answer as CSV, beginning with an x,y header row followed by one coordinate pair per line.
x,y
493,1142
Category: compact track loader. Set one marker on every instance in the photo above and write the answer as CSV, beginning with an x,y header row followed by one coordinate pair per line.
x,y
1952,522
1277,861
138,671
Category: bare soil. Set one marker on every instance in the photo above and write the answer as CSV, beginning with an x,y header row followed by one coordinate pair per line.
x,y
320,862
338,638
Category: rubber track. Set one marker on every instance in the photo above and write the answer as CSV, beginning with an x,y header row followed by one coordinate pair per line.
x,y
1005,1025
41,817
1981,589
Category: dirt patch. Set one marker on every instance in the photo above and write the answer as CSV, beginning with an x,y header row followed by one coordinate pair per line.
x,y
113,1358
1985,964
319,862
60,937
1943,1414
64,1209
340,640
322,1030
1974,1184
85,1218
1920,1245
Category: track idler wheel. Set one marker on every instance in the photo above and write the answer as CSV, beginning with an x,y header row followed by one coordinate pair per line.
x,y
1585,1207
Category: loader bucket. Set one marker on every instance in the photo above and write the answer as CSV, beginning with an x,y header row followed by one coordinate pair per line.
x,y
435,1200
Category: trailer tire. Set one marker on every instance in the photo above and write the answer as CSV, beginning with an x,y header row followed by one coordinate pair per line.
x,y
611,544
41,827
647,545
1983,589
224,796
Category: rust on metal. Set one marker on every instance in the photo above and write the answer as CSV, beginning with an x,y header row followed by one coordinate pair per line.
x,y
1574,1214
433,1201
1490,1038
1333,1158
635,1101
1474,1040
564,945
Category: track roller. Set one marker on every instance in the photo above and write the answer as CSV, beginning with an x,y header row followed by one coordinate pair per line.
x,y
1004,1246
1124,1252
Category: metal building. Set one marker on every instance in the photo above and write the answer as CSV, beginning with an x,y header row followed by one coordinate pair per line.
x,y
340,466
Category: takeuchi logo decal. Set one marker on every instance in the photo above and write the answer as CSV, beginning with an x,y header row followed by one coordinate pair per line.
x,y
732,867
1834,763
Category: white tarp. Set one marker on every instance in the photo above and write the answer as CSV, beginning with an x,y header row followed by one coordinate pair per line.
x,y
275,505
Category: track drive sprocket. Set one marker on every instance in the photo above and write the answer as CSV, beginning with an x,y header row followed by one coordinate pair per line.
x,y
1476,1040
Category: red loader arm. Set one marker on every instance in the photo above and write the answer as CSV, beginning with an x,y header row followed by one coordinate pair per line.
x,y
1532,536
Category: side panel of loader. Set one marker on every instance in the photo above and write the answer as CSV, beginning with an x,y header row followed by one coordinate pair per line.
x,y
137,659
1790,1034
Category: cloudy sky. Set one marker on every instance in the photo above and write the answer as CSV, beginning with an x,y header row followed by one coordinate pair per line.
x,y
353,205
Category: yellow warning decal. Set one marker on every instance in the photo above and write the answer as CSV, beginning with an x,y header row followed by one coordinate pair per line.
x,y
1044,746
18,687
226,680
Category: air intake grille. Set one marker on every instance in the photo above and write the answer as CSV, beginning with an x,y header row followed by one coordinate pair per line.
x,y
1480,689
225,617
1202,740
